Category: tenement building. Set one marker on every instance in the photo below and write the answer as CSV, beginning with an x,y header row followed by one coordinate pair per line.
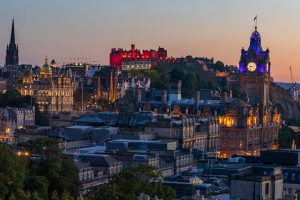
x,y
251,123
190,132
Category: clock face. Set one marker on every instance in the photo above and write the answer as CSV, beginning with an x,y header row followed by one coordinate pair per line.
x,y
251,66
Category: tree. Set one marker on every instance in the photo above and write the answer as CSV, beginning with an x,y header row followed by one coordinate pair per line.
x,y
177,74
286,137
12,172
38,184
219,66
87,95
53,168
66,196
131,182
189,85
13,98
54,195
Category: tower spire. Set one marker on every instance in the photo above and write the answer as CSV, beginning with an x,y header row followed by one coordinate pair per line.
x,y
12,36
12,52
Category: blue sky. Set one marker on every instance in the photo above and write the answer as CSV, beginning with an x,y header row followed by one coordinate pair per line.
x,y
63,29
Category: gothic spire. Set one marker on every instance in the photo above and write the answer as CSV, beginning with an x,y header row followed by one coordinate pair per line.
x,y
12,36
12,51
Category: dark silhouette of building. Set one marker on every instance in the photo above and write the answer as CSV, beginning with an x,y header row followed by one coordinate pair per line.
x,y
12,51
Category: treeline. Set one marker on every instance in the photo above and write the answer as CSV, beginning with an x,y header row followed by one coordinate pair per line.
x,y
133,181
192,78
287,135
45,172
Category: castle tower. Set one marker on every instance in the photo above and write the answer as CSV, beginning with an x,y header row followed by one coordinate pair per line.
x,y
12,51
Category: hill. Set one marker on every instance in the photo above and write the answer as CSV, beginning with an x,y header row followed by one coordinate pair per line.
x,y
285,104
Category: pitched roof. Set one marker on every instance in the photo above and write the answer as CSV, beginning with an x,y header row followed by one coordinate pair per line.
x,y
99,160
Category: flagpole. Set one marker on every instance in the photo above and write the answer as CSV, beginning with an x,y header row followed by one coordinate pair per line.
x,y
256,22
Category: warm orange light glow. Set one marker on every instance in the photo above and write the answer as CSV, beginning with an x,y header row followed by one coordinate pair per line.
x,y
252,121
265,119
226,121
276,118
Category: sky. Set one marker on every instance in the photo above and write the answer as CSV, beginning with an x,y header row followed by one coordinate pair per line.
x,y
68,29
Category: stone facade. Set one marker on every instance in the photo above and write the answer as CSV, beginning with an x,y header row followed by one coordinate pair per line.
x,y
257,186
105,82
14,118
251,122
52,89
189,132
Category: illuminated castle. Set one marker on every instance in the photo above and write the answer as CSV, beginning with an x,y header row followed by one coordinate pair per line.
x,y
251,123
135,59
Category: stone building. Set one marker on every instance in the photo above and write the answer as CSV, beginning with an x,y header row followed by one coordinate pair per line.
x,y
251,123
14,118
265,183
189,132
242,132
96,170
52,89
106,83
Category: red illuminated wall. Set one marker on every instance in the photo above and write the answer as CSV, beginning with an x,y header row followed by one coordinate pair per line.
x,y
118,55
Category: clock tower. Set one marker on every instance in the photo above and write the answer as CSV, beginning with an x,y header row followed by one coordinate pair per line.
x,y
254,68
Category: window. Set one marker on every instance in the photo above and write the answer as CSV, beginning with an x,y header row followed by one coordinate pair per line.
x,y
293,177
267,185
286,175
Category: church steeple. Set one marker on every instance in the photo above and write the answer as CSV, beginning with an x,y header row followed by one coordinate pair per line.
x,y
12,51
12,36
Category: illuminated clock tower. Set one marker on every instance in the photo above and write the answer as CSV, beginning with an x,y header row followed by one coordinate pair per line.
x,y
254,70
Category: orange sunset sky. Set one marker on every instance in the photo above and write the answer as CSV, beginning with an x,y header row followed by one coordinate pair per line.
x,y
210,28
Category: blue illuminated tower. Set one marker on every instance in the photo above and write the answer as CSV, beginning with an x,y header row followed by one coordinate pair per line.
x,y
255,59
255,76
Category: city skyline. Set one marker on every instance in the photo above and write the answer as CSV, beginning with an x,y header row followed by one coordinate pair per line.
x,y
68,29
